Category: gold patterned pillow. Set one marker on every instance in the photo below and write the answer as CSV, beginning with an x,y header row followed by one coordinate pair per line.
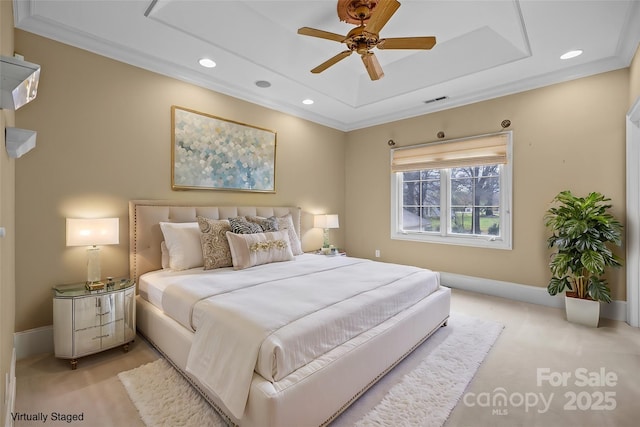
x,y
215,246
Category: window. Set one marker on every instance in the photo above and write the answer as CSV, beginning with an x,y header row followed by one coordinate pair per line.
x,y
454,192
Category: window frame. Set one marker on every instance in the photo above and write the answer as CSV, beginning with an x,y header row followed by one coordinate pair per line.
x,y
504,241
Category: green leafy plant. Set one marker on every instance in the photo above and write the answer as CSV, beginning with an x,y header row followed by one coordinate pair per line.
x,y
583,230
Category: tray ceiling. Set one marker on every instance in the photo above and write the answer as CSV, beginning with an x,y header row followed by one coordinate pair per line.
x,y
484,49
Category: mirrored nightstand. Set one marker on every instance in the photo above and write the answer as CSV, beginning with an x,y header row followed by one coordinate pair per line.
x,y
90,319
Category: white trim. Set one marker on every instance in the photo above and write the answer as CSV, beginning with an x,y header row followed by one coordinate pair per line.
x,y
10,391
633,215
488,242
33,341
616,310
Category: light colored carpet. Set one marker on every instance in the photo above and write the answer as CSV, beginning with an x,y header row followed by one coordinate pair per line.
x,y
421,391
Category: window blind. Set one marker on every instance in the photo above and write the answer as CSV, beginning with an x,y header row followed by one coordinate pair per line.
x,y
475,151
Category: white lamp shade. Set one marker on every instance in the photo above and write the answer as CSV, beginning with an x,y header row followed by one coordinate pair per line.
x,y
92,232
326,221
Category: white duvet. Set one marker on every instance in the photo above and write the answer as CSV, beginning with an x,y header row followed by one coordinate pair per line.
x,y
278,317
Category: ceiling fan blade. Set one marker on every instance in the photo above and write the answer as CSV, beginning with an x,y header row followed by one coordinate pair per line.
x,y
306,31
372,65
331,61
407,43
381,15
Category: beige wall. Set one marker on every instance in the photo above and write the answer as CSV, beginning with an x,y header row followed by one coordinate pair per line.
x,y
566,136
104,138
7,219
634,79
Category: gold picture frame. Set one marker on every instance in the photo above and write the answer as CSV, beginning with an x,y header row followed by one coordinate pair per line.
x,y
212,153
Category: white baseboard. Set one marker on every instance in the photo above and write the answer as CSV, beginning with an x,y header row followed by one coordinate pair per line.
x,y
616,310
10,391
34,341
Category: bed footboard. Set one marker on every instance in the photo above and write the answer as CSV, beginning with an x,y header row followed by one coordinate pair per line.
x,y
317,393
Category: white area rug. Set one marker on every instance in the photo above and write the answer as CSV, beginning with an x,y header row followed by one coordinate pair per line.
x,y
164,398
420,392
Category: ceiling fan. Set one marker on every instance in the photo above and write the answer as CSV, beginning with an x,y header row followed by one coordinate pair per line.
x,y
371,15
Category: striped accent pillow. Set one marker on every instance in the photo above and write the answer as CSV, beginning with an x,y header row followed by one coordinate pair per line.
x,y
267,224
240,225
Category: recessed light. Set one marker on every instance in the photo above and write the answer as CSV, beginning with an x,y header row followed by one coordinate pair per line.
x,y
207,63
263,83
307,101
571,54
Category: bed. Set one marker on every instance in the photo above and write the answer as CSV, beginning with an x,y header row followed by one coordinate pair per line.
x,y
346,323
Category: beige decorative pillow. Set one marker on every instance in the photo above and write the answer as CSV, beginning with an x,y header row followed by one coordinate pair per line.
x,y
286,223
248,250
215,246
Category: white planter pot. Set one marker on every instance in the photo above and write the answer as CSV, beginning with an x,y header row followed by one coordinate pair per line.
x,y
582,311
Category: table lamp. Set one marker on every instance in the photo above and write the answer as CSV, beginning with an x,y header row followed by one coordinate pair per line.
x,y
93,232
326,222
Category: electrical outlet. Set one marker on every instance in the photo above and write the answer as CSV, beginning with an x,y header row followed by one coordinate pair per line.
x,y
377,253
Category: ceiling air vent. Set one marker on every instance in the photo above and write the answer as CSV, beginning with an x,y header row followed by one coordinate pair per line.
x,y
440,98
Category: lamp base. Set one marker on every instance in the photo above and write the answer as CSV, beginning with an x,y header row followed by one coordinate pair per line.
x,y
325,239
93,265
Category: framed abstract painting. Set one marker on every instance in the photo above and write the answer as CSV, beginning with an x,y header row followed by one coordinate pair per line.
x,y
212,153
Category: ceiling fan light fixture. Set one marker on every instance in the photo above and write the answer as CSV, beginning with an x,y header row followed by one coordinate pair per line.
x,y
307,101
370,16
207,62
571,54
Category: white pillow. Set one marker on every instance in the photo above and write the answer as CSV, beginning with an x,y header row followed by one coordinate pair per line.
x,y
165,255
286,223
183,243
248,250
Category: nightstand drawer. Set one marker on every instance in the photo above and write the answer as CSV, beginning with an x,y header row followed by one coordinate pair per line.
x,y
93,339
98,310
112,333
85,313
87,341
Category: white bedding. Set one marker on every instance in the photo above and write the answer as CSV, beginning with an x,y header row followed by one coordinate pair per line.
x,y
194,284
242,325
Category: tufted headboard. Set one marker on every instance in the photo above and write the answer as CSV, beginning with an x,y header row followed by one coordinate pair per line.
x,y
145,235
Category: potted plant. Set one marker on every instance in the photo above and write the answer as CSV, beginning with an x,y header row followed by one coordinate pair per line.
x,y
582,231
